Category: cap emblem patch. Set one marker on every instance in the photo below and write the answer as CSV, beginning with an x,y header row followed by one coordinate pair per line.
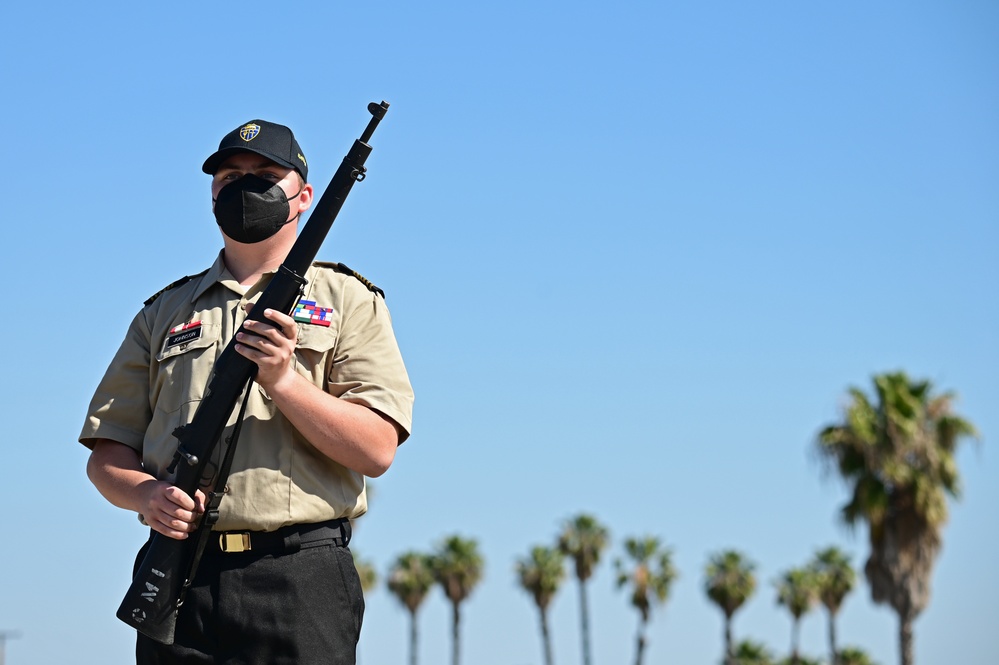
x,y
249,132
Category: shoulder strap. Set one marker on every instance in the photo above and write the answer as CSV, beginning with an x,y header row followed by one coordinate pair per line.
x,y
183,280
341,268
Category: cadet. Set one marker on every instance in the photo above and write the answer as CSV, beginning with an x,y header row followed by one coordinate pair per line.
x,y
331,403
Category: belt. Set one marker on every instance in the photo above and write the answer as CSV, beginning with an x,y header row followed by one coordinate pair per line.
x,y
286,540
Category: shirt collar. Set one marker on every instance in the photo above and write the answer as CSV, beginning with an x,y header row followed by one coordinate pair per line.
x,y
218,274
214,274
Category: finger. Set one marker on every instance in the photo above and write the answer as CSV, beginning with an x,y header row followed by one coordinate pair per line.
x,y
180,526
280,318
263,351
269,343
251,353
169,533
201,500
175,517
179,498
259,327
287,324
265,330
184,519
178,532
250,341
169,524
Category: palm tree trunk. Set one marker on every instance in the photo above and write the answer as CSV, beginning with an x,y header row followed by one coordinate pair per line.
x,y
412,638
546,640
455,622
833,652
729,651
640,647
585,622
795,626
905,638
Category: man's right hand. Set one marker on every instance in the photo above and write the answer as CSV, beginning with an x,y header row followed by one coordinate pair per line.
x,y
170,511
117,472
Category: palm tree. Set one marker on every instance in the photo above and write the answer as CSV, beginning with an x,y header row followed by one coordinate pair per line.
x,y
836,579
410,579
457,566
541,574
854,656
897,453
801,660
748,652
797,590
729,583
365,572
650,579
584,539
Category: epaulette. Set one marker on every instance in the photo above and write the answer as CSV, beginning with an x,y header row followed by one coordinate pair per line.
x,y
339,267
172,285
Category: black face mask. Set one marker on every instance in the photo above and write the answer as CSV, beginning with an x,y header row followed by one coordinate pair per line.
x,y
252,209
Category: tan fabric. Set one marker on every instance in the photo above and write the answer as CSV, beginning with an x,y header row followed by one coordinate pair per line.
x,y
156,380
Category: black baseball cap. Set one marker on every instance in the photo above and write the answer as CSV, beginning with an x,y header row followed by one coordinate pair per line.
x,y
275,142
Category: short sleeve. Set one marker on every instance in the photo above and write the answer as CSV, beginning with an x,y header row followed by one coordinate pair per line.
x,y
367,366
120,409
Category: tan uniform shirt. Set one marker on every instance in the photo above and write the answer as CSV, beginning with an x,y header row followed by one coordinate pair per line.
x,y
161,371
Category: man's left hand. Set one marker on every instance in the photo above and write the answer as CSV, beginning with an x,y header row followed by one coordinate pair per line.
x,y
271,347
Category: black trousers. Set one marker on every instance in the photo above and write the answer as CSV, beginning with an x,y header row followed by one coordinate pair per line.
x,y
249,608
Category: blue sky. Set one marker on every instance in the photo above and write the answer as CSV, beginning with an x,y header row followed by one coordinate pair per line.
x,y
635,253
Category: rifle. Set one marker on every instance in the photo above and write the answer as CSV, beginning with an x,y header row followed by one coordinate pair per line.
x,y
167,570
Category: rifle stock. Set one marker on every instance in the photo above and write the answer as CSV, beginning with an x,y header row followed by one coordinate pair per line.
x,y
151,603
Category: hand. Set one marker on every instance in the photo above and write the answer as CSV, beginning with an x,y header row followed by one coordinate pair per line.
x,y
170,511
271,347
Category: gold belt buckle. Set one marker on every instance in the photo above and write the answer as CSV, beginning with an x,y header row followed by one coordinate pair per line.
x,y
234,542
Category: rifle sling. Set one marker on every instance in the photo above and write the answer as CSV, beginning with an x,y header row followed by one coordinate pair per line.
x,y
211,515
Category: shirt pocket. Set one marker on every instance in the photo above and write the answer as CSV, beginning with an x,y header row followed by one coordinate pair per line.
x,y
313,350
183,370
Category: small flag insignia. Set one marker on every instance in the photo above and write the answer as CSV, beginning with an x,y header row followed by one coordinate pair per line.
x,y
306,311
185,326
